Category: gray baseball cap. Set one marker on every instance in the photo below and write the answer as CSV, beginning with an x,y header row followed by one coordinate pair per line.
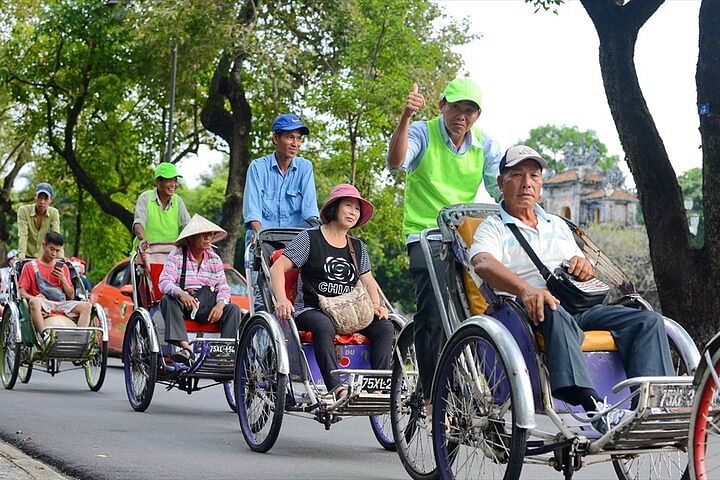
x,y
517,154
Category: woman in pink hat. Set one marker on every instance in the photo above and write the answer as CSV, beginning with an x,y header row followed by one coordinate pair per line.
x,y
327,268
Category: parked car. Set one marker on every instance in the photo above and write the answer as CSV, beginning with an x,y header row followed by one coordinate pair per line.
x,y
118,304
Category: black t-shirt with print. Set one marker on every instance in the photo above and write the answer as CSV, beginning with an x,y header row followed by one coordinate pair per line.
x,y
327,270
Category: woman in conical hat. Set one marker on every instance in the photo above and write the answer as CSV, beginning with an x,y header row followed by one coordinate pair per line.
x,y
327,267
205,288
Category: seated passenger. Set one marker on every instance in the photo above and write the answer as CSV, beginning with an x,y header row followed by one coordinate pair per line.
x,y
327,267
498,258
194,279
45,282
12,257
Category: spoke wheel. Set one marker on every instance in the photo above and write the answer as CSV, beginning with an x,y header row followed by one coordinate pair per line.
x,y
381,427
259,387
140,364
414,445
704,442
229,390
656,465
96,365
475,434
11,351
26,369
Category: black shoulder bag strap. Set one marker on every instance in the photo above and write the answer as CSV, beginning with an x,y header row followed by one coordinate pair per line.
x,y
352,254
544,272
183,272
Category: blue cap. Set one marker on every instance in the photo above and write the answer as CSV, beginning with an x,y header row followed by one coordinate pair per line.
x,y
288,122
45,188
12,254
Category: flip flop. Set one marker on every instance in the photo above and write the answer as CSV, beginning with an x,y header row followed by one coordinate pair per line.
x,y
183,356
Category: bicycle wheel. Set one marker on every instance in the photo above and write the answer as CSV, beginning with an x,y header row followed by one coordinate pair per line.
x,y
407,408
25,371
475,434
381,428
11,351
96,365
704,441
140,364
230,395
259,387
656,465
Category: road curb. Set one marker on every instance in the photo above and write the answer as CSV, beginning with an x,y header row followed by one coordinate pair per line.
x,y
16,464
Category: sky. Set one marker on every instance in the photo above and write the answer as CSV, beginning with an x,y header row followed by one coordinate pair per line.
x,y
541,68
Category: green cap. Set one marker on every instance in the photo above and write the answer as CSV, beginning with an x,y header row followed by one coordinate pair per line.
x,y
166,170
462,88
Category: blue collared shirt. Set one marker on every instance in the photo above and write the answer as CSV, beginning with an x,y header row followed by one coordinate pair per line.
x,y
277,200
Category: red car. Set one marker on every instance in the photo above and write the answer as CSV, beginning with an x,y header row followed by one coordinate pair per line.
x,y
118,304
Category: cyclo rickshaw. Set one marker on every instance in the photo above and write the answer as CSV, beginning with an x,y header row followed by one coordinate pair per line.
x,y
66,346
491,383
704,444
148,360
276,371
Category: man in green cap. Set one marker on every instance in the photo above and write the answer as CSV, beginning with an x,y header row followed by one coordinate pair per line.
x,y
160,214
447,159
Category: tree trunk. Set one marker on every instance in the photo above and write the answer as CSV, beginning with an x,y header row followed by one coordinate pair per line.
x,y
234,127
78,222
681,272
7,214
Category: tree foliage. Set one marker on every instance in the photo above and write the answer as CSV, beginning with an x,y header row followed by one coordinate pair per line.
x,y
569,147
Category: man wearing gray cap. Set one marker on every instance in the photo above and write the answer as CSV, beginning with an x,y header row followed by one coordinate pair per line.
x,y
35,220
499,258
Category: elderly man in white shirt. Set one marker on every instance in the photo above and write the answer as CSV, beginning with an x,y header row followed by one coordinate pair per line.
x,y
499,259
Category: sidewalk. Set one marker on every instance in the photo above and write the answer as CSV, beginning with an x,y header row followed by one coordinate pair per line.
x,y
15,465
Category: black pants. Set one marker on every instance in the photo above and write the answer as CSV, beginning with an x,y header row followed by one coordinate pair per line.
x,y
429,332
174,314
380,333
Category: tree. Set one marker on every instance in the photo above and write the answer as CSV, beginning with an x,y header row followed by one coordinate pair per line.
x,y
567,147
687,277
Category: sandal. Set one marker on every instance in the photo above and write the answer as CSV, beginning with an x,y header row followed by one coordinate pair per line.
x,y
183,356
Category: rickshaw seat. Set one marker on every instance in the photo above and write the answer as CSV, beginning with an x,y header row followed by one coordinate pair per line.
x,y
291,283
196,327
478,303
595,340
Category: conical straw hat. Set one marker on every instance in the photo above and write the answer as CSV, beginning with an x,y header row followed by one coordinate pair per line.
x,y
199,224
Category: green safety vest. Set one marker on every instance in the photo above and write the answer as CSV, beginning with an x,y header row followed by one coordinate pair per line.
x,y
442,178
161,225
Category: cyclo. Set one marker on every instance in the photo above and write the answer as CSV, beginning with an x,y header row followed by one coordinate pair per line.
x,y
704,444
23,350
491,382
147,360
276,371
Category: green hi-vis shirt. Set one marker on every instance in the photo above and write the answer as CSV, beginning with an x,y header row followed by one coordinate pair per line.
x,y
443,177
161,226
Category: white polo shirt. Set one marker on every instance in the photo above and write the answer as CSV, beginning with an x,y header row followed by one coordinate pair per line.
x,y
552,241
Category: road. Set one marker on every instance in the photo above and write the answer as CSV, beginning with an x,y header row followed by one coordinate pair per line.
x,y
98,436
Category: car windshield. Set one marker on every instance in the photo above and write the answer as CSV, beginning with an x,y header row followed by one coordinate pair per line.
x,y
235,282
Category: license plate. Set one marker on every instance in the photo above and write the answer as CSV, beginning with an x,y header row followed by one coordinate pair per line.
x,y
222,350
372,384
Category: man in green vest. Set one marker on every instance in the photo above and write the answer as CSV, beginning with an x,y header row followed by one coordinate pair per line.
x,y
160,214
447,160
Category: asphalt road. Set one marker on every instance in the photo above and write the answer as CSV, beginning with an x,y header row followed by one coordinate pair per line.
x,y
98,436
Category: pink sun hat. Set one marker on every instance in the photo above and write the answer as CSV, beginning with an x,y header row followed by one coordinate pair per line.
x,y
345,190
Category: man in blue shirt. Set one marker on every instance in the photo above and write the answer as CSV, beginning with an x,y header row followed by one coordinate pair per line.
x,y
280,187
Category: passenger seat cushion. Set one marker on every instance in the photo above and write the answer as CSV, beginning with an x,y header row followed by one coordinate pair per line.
x,y
291,276
478,303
